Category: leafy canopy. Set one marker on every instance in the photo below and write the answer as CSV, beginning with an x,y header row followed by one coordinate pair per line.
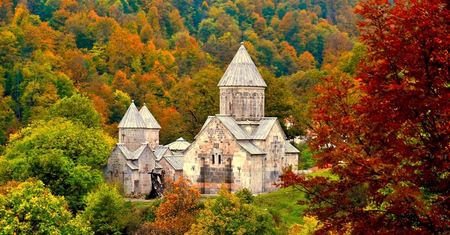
x,y
30,208
386,131
178,210
76,108
106,210
66,156
230,214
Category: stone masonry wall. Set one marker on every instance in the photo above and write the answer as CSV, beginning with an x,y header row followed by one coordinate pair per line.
x,y
132,138
242,103
215,158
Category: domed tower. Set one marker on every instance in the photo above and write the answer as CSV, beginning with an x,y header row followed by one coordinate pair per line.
x,y
242,89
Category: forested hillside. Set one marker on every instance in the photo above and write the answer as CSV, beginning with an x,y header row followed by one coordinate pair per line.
x,y
367,80
167,54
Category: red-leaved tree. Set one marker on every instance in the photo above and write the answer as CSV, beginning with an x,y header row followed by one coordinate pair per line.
x,y
387,132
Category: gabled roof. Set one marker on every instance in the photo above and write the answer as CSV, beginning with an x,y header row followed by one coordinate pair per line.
x,y
230,124
148,118
233,127
159,151
132,166
242,71
251,148
132,118
179,145
208,120
264,127
175,161
290,148
132,155
261,132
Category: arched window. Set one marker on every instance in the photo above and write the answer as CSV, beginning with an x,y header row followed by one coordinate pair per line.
x,y
220,159
212,159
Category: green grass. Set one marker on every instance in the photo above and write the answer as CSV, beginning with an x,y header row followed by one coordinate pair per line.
x,y
282,204
144,204
325,173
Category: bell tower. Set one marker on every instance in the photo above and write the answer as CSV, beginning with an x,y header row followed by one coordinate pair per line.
x,y
242,89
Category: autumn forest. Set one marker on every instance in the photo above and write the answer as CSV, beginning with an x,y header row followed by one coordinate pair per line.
x,y
364,83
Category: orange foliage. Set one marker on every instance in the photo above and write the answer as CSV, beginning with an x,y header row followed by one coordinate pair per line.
x,y
100,106
121,82
178,211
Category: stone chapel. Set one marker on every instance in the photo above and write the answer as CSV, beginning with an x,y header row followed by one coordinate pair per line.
x,y
240,147
138,154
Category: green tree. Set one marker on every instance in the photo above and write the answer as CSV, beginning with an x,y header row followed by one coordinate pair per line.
x,y
82,145
106,210
197,98
245,195
119,106
7,117
8,47
76,108
66,156
30,208
306,160
228,214
280,103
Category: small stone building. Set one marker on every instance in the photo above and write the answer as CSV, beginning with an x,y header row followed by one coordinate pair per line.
x,y
138,153
239,147
173,167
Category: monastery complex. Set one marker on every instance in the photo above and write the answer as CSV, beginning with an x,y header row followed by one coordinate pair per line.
x,y
238,148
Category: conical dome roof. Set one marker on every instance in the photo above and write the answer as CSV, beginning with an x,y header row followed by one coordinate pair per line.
x,y
242,71
179,145
149,120
132,118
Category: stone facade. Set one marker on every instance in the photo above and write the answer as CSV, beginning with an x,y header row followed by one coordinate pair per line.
x,y
239,148
242,103
171,171
138,153
220,157
131,174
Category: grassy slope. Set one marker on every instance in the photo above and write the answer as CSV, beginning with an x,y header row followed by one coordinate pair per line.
x,y
282,204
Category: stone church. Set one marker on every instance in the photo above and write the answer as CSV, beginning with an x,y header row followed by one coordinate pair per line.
x,y
240,147
138,153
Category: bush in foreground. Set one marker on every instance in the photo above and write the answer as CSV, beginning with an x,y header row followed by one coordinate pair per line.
x,y
30,208
229,214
